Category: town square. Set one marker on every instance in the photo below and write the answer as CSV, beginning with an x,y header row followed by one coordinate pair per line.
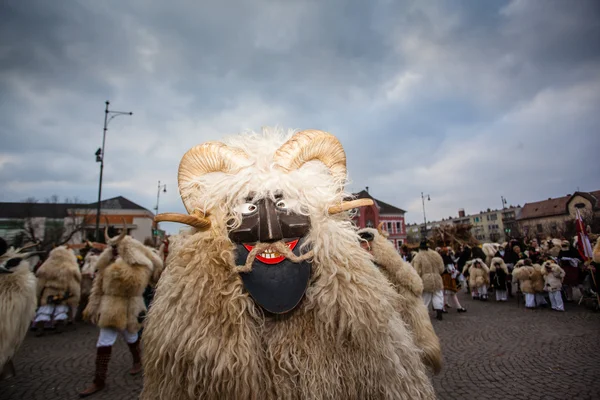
x,y
299,200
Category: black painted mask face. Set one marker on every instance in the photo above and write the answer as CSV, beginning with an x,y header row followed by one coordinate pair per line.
x,y
276,283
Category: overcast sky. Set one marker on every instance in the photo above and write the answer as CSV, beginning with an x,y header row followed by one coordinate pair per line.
x,y
465,101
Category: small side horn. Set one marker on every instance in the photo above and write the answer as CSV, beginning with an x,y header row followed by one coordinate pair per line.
x,y
349,205
196,219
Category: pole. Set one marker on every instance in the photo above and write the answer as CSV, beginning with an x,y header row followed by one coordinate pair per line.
x,y
424,218
101,171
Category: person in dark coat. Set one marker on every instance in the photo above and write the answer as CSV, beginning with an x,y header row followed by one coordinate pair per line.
x,y
465,255
498,275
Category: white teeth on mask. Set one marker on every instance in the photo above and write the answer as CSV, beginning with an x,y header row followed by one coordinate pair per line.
x,y
270,254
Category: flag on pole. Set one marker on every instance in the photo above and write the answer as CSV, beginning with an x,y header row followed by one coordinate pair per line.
x,y
583,241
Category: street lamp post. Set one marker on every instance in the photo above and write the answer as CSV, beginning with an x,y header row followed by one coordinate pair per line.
x,y
424,218
164,187
503,202
100,159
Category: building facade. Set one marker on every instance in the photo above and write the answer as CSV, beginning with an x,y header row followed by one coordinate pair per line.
x,y
391,216
487,226
57,221
549,217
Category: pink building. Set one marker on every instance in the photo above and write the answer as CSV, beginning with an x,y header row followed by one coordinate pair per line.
x,y
392,218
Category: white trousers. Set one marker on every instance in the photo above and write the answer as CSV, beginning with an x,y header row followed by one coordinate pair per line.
x,y
501,295
529,300
482,290
108,337
51,312
436,297
556,300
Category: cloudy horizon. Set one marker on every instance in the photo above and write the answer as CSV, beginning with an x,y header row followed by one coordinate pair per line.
x,y
466,104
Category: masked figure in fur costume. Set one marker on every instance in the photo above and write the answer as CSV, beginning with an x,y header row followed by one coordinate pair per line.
x,y
537,283
18,300
407,282
553,282
479,278
59,288
271,295
124,270
430,266
499,277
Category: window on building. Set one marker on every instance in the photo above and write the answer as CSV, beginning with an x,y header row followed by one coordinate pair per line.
x,y
398,226
493,217
488,217
476,219
540,228
389,226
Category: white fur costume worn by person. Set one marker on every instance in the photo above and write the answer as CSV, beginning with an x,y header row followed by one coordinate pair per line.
x,y
409,285
18,300
553,280
270,296
479,278
430,266
59,288
124,270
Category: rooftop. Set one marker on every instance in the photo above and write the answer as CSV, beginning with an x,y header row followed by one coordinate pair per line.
x,y
60,210
384,208
557,206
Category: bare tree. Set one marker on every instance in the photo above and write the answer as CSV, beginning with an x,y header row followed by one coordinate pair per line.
x,y
59,224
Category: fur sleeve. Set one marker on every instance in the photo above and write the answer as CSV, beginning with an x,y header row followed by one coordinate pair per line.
x,y
558,272
93,306
485,268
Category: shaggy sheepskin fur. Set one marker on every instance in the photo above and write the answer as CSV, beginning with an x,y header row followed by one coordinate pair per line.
x,y
408,284
18,302
58,274
596,253
537,280
429,265
490,250
206,338
116,299
500,261
87,273
523,273
478,276
553,280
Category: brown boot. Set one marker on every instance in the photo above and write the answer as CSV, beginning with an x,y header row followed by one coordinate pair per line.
x,y
102,359
137,358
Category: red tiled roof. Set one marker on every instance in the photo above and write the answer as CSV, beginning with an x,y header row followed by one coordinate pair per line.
x,y
384,208
553,207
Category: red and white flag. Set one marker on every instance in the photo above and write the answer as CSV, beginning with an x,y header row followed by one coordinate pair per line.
x,y
583,241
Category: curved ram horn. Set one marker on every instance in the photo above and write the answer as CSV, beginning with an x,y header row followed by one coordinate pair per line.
x,y
194,220
349,205
311,145
206,158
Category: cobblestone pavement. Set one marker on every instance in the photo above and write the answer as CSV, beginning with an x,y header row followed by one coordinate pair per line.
x,y
494,351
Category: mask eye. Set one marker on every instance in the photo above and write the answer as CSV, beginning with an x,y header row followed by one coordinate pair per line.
x,y
13,262
247,208
281,204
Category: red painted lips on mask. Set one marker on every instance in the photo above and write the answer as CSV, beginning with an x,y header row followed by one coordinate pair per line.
x,y
270,257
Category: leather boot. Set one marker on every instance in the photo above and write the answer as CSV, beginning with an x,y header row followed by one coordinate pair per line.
x,y
439,314
102,359
137,358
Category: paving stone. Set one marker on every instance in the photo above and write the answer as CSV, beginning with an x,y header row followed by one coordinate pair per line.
x,y
494,351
